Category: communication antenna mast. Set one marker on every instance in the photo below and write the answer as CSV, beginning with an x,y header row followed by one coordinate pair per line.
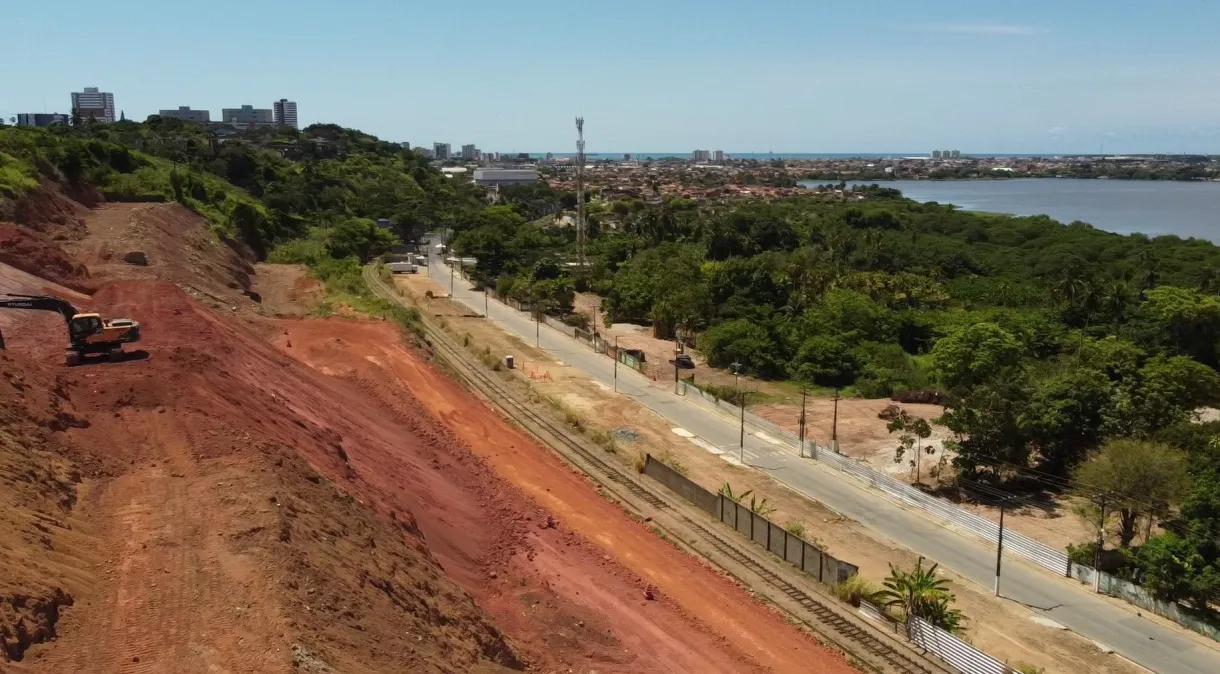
x,y
580,189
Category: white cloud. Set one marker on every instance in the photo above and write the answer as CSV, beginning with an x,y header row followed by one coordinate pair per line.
x,y
1056,131
977,28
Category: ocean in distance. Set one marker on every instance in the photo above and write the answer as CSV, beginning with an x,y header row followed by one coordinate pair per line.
x,y
1152,207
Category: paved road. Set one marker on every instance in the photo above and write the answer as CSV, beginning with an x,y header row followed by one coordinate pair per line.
x,y
1160,649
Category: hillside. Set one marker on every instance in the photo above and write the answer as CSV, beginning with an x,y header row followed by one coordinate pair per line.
x,y
246,492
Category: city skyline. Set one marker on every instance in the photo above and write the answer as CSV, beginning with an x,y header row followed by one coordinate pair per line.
x,y
791,77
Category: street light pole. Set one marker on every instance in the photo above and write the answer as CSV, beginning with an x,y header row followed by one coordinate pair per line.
x,y
1101,541
834,427
801,423
999,550
616,363
742,402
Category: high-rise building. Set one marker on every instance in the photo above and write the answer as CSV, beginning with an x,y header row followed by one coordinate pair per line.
x,y
284,113
718,155
41,119
427,153
186,114
442,150
93,104
700,155
470,152
247,115
936,154
955,154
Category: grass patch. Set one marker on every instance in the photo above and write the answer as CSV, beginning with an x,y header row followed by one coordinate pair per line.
x,y
606,440
667,457
796,528
855,589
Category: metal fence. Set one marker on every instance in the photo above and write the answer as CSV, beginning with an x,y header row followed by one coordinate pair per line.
x,y
682,486
767,534
822,566
940,509
952,650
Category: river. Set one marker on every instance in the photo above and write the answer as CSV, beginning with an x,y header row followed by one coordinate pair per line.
x,y
1124,206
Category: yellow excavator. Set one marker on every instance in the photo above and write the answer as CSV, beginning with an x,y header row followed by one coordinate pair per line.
x,y
87,333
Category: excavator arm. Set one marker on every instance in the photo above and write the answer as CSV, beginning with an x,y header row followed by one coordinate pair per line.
x,y
38,303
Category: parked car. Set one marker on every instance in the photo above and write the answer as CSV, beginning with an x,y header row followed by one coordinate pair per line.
x,y
684,362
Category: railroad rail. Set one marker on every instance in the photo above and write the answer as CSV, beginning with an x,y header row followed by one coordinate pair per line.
x,y
846,634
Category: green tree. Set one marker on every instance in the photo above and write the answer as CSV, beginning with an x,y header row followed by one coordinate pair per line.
x,y
1065,416
974,354
921,593
1135,479
357,237
987,427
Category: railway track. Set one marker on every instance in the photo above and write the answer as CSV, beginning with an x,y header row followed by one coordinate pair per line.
x,y
846,634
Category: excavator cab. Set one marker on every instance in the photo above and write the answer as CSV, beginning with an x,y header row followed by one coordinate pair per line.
x,y
83,326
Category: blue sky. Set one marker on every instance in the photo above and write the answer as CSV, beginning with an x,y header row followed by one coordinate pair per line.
x,y
659,75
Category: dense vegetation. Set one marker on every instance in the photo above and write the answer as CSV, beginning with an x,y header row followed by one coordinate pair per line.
x,y
265,186
1045,340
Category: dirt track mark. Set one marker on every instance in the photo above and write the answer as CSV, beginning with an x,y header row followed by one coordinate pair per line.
x,y
179,600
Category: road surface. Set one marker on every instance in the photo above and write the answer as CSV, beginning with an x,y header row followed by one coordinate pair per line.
x,y
1158,648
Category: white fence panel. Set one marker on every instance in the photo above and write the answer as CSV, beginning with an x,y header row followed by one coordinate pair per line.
x,y
952,650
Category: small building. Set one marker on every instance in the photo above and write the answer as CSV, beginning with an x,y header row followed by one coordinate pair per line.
x,y
41,119
500,176
186,114
247,115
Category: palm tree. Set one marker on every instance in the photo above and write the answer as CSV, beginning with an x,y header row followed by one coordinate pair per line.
x,y
1116,301
1209,280
920,593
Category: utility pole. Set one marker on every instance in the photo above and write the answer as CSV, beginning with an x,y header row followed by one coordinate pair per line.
x,y
1101,541
741,400
485,314
999,551
801,423
537,326
580,191
834,427
616,363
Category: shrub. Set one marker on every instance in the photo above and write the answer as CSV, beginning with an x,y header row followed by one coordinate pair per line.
x,y
855,589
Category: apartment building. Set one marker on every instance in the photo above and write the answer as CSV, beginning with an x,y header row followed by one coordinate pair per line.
x,y
93,104
284,113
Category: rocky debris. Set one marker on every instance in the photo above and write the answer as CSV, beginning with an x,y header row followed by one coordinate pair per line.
x,y
27,620
136,257
890,413
625,433
921,397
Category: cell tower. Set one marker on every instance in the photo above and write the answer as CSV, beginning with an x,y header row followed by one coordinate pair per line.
x,y
580,189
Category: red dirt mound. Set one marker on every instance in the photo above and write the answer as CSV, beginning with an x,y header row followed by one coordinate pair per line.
x,y
36,255
207,542
173,244
53,210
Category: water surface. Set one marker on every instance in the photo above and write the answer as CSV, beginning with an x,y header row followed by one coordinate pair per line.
x,y
1124,206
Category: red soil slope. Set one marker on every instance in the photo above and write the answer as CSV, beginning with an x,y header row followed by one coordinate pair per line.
x,y
590,570
170,503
